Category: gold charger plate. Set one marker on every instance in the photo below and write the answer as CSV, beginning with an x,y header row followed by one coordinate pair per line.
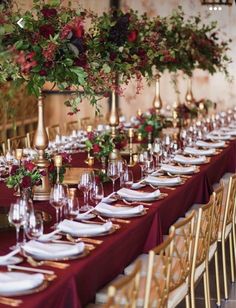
x,y
72,257
37,289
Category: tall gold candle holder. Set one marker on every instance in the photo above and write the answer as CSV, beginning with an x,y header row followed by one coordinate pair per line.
x,y
189,99
131,135
58,165
18,155
149,141
89,130
41,192
157,102
114,116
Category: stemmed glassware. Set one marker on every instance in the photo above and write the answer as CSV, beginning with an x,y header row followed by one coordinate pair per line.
x,y
122,167
113,172
85,185
72,208
34,226
58,199
128,179
97,192
17,217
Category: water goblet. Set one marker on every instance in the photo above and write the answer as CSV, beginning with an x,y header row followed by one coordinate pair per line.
x,y
17,217
34,226
85,184
97,192
113,172
128,179
57,199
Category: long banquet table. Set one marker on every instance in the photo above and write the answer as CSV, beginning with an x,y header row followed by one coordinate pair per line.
x,y
77,285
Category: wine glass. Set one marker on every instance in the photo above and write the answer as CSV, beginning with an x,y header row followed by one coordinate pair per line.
x,y
85,184
141,161
122,167
128,179
17,217
97,192
113,172
72,208
34,226
57,199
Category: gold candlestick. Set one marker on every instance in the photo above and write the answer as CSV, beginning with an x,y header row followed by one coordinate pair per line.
x,y
149,141
131,135
114,116
90,161
19,154
139,112
41,192
58,163
157,102
140,138
189,95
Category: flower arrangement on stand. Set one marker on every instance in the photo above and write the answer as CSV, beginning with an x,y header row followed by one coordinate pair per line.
x,y
151,124
24,177
52,170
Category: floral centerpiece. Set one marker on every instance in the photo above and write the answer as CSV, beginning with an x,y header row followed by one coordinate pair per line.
x,y
151,124
24,176
52,170
49,43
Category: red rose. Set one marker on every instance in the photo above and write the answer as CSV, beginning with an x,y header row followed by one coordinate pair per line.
x,y
49,12
43,72
90,135
132,36
26,181
43,173
46,30
96,148
29,166
48,64
112,56
14,169
149,128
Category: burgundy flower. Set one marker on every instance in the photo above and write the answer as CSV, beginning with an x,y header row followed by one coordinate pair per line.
x,y
26,181
49,12
90,135
48,64
96,148
132,36
149,128
51,168
14,169
81,61
47,30
65,32
43,72
112,56
29,166
49,52
43,173
77,27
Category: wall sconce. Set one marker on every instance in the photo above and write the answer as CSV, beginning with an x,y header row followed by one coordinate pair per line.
x,y
216,5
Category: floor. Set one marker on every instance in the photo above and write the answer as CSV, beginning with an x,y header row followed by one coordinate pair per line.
x,y
230,303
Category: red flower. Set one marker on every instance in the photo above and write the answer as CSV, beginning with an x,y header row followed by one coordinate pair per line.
x,y
51,168
81,61
49,12
14,169
26,181
43,173
65,32
47,30
48,64
96,148
29,166
77,27
49,52
112,56
90,135
132,36
148,128
43,72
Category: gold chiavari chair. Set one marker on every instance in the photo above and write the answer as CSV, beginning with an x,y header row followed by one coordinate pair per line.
x,y
227,231
200,255
16,142
30,139
52,131
124,292
179,268
213,248
70,126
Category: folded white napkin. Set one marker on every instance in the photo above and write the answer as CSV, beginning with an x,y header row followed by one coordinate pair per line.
x,y
218,136
9,255
81,229
228,131
49,250
138,195
189,160
198,152
205,144
178,169
48,237
162,181
15,282
110,209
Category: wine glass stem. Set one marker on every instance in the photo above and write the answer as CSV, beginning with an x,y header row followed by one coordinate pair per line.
x,y
141,172
113,185
17,235
57,215
87,198
24,237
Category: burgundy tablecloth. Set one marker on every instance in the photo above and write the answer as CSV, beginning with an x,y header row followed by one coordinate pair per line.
x,y
77,285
